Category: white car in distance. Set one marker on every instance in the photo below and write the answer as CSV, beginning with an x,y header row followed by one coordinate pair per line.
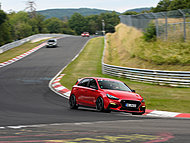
x,y
51,43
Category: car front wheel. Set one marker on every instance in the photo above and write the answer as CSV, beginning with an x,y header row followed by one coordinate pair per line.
x,y
72,102
100,104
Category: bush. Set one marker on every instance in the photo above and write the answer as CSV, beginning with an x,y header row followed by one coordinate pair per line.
x,y
150,33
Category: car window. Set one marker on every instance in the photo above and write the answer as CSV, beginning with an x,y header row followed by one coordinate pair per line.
x,y
93,84
83,82
113,85
51,40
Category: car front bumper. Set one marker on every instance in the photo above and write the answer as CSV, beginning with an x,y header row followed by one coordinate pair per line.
x,y
121,105
49,45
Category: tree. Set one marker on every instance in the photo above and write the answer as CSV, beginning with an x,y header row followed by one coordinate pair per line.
x,y
21,16
54,25
67,29
163,5
94,23
3,17
130,13
37,24
167,5
20,25
150,33
179,4
78,23
23,30
5,34
111,20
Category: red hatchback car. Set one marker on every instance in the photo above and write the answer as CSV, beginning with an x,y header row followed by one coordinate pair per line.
x,y
105,95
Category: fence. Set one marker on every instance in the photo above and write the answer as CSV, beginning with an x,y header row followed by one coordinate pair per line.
x,y
170,25
22,41
172,78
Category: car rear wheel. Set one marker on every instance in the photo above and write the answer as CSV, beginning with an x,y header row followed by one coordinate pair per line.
x,y
72,102
100,104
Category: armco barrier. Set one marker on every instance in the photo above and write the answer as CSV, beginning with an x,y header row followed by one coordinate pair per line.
x,y
172,78
22,41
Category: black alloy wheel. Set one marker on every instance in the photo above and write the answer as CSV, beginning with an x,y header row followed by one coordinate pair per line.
x,y
72,102
100,104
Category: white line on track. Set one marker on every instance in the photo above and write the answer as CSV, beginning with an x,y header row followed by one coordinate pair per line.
x,y
69,124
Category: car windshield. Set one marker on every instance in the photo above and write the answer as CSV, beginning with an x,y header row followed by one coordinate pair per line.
x,y
113,85
51,40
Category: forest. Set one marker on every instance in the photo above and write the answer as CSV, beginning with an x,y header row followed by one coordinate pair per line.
x,y
168,5
18,25
162,6
15,26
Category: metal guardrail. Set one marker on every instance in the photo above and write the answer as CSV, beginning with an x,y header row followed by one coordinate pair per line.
x,y
172,78
22,41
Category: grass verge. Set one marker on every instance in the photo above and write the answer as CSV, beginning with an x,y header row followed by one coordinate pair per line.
x,y
12,53
127,48
157,97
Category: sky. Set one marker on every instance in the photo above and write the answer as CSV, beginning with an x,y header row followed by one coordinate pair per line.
x,y
115,5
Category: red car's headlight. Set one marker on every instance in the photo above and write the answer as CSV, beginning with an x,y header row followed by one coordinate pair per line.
x,y
112,97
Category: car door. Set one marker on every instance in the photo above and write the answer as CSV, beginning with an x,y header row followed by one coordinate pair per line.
x,y
92,92
81,91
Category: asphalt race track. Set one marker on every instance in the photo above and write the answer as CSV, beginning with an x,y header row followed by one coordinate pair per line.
x,y
31,112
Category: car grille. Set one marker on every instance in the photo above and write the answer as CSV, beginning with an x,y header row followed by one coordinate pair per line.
x,y
123,103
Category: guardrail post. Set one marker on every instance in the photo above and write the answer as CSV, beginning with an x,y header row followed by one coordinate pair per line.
x,y
157,27
166,25
184,23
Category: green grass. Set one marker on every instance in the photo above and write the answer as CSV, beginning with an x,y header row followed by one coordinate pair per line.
x,y
87,64
127,48
157,97
12,53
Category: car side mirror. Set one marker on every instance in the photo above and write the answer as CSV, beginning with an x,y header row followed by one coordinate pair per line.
x,y
133,90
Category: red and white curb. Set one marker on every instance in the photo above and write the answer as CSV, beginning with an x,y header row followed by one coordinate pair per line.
x,y
22,55
155,113
60,89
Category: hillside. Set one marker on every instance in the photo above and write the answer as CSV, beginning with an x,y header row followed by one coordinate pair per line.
x,y
62,13
139,10
127,48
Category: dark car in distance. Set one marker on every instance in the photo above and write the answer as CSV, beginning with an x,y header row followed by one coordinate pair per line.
x,y
106,94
